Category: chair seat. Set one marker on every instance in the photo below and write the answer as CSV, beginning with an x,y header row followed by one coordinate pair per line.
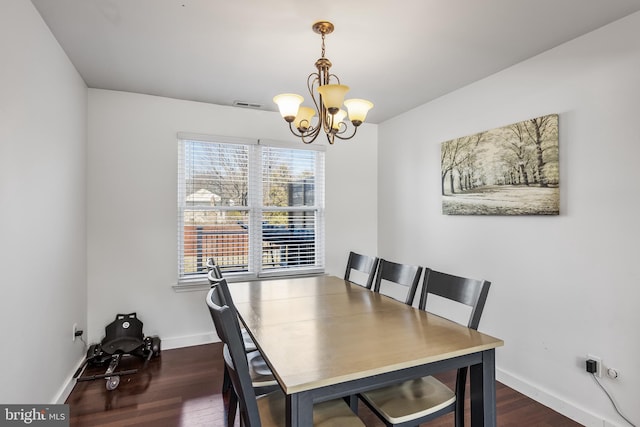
x,y
261,375
333,413
249,345
410,400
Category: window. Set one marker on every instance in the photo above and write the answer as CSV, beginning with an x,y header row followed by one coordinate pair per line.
x,y
256,208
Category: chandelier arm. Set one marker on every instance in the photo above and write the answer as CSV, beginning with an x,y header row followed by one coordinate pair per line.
x,y
344,138
335,77
342,128
328,123
311,82
309,137
296,132
293,131
315,79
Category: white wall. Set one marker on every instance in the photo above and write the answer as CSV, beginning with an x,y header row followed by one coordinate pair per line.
x,y
132,196
43,106
563,286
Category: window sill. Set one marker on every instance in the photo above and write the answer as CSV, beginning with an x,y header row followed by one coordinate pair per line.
x,y
203,284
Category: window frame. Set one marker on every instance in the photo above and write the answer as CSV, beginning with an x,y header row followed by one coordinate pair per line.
x,y
255,208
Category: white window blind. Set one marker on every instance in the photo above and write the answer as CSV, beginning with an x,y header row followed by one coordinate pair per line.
x,y
257,209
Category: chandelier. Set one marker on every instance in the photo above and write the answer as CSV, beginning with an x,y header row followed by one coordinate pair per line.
x,y
328,104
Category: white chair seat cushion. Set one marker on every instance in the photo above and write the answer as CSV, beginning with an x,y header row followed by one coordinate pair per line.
x,y
334,413
261,375
249,345
410,400
258,365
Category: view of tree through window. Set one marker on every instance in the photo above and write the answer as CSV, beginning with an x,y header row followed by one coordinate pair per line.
x,y
252,208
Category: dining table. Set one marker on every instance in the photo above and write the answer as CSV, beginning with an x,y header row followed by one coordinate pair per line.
x,y
324,337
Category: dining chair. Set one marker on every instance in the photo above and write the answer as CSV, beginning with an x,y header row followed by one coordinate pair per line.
x,y
404,275
261,375
267,410
364,264
262,379
213,267
249,345
417,401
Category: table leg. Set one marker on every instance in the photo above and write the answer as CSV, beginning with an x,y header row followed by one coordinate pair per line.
x,y
483,390
299,409
352,401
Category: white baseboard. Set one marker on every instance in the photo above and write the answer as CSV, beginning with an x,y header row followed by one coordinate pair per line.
x,y
568,409
65,390
188,341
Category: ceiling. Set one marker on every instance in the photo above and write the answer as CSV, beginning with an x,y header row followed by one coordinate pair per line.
x,y
398,54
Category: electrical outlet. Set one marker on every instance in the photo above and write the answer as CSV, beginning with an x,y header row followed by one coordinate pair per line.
x,y
612,373
598,360
75,329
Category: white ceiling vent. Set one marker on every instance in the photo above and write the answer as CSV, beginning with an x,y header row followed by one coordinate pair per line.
x,y
245,104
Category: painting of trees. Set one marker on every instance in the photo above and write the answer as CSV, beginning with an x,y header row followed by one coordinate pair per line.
x,y
458,157
512,170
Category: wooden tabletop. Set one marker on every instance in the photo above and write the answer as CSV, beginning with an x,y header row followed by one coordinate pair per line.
x,y
322,330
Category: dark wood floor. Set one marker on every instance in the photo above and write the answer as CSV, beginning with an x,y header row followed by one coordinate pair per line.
x,y
182,388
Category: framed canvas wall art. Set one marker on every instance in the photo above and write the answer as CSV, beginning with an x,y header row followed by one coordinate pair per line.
x,y
512,170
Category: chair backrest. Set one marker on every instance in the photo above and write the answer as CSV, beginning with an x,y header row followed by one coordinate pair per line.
x,y
226,323
214,297
401,274
213,276
224,295
364,264
213,268
470,292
